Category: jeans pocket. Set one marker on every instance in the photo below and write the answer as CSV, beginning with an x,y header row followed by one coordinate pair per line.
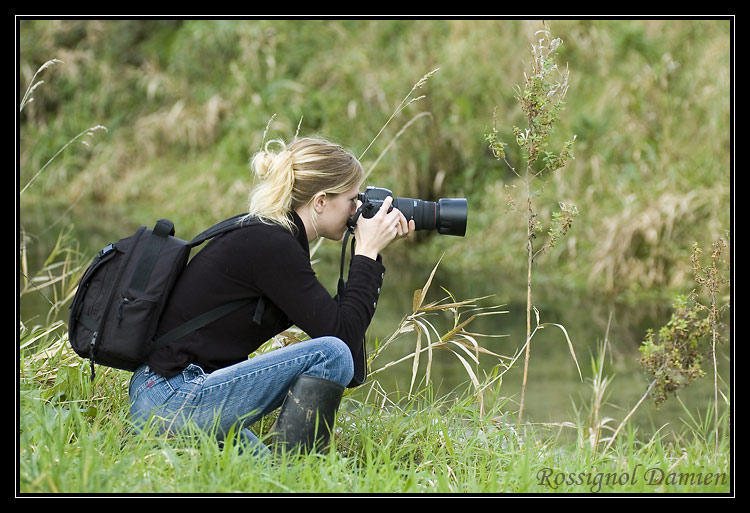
x,y
188,384
152,392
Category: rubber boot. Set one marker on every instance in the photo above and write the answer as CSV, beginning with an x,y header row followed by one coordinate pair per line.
x,y
307,414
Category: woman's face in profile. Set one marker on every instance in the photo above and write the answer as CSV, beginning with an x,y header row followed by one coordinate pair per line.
x,y
336,211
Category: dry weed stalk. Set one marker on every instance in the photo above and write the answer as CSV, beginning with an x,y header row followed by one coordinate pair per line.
x,y
711,280
89,132
541,100
27,98
404,103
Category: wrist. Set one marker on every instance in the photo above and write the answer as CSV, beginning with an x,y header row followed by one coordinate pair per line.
x,y
365,251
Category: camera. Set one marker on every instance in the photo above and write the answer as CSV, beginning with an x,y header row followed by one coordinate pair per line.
x,y
447,215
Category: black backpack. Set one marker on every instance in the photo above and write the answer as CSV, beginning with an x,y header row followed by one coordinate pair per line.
x,y
115,312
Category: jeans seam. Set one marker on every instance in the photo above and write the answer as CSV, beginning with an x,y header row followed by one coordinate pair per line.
x,y
262,370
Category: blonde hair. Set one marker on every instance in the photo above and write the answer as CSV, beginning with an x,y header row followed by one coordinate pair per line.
x,y
293,175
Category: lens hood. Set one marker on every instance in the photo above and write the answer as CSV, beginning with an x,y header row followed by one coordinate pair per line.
x,y
452,214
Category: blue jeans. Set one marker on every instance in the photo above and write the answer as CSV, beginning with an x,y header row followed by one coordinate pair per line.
x,y
237,395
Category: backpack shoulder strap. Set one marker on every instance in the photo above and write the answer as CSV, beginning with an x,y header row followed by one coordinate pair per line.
x,y
198,322
234,222
238,221
163,229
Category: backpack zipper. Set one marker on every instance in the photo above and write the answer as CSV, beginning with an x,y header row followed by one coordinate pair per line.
x,y
92,346
120,308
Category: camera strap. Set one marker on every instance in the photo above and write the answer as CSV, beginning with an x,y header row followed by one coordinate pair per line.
x,y
351,224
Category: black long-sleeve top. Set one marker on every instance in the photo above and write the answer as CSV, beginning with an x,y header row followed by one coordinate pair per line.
x,y
264,261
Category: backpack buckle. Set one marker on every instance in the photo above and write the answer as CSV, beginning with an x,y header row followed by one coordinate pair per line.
x,y
109,247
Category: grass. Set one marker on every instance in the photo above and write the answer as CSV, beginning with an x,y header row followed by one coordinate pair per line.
x,y
75,437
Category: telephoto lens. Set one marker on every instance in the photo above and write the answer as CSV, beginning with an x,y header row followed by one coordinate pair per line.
x,y
447,216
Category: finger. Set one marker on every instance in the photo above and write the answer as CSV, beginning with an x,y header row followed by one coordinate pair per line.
x,y
399,221
396,216
403,225
385,206
393,226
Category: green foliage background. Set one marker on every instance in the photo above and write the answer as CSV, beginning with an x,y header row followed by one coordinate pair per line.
x,y
185,103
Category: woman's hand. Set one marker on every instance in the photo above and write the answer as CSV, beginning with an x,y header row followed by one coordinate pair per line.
x,y
375,233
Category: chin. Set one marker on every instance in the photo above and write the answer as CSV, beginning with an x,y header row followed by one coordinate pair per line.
x,y
334,236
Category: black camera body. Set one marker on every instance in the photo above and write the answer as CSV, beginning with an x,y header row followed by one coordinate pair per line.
x,y
447,215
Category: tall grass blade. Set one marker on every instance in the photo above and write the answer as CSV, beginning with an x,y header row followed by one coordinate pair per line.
x,y
420,294
401,107
570,344
88,131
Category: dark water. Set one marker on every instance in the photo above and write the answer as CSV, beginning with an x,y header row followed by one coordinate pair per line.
x,y
554,389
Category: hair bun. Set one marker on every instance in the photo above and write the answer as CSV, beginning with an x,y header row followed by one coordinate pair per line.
x,y
268,163
261,163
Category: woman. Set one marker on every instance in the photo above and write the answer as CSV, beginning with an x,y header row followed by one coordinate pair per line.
x,y
306,190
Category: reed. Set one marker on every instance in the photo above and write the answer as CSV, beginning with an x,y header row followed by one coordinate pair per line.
x,y
408,100
33,83
461,342
591,429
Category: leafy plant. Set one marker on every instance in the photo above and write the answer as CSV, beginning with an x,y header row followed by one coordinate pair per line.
x,y
675,354
542,101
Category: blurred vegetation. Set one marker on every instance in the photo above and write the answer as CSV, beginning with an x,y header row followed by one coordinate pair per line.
x,y
185,104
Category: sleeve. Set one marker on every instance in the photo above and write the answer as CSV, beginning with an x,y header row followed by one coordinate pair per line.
x,y
288,280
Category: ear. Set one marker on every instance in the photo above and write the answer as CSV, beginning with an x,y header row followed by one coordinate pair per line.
x,y
319,202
